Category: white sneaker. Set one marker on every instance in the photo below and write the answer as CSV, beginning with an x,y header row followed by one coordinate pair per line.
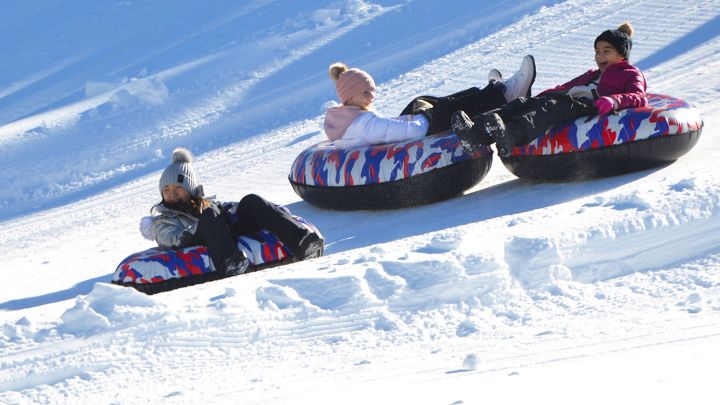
x,y
494,75
520,84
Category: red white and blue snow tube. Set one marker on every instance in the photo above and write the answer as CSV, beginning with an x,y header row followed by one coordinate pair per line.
x,y
387,176
607,145
156,270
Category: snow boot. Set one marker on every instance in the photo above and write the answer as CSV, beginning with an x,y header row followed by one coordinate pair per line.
x,y
310,246
494,75
462,125
506,139
235,264
470,133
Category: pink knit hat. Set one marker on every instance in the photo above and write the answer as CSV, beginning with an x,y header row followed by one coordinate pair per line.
x,y
350,82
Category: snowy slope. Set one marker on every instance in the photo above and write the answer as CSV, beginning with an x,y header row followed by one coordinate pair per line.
x,y
589,292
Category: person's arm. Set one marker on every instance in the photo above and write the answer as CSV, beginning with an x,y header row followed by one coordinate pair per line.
x,y
634,93
379,130
171,234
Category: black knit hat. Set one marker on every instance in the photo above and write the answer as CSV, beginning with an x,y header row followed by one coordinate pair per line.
x,y
620,39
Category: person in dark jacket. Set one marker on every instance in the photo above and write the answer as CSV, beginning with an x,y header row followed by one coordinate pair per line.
x,y
614,85
185,218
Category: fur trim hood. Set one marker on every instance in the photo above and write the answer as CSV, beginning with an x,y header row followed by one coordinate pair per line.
x,y
146,228
338,119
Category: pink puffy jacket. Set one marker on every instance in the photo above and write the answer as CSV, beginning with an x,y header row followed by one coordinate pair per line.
x,y
623,82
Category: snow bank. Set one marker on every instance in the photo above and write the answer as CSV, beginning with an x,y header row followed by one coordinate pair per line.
x,y
107,305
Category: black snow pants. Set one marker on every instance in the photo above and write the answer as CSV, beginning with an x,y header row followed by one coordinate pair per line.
x,y
473,101
527,118
218,229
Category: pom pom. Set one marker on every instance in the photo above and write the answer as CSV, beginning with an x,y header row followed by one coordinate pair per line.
x,y
182,155
146,228
626,28
336,69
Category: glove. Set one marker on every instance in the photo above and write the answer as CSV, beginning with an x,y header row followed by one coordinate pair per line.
x,y
580,91
604,105
422,107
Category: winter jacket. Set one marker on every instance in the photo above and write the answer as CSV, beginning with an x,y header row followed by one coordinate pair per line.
x,y
170,228
338,119
367,128
624,83
175,229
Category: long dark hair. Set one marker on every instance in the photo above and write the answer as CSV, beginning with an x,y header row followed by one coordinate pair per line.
x,y
196,205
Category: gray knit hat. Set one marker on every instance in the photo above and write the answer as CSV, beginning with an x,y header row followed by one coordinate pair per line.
x,y
181,172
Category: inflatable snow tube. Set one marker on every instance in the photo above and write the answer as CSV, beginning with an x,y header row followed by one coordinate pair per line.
x,y
608,145
157,270
387,176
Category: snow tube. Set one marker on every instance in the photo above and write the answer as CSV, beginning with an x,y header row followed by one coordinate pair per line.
x,y
607,145
394,175
157,270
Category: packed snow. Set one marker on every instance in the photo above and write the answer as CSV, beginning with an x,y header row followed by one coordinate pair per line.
x,y
603,291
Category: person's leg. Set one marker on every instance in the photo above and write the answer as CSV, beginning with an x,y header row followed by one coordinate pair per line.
x,y
439,110
517,107
524,125
476,101
484,128
419,105
518,122
213,232
473,101
255,213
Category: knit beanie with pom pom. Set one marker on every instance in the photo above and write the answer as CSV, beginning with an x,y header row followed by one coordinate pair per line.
x,y
181,172
620,39
350,82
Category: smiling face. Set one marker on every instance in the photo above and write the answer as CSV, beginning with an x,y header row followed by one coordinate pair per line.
x,y
606,55
362,100
174,193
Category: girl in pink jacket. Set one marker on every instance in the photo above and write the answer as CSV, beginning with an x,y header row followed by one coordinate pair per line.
x,y
614,85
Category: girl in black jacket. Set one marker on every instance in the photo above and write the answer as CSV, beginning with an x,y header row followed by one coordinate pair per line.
x,y
185,218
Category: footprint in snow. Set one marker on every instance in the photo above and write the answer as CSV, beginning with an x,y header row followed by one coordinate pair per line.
x,y
628,202
682,185
443,242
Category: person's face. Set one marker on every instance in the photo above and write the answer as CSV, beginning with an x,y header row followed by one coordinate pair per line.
x,y
174,194
362,100
606,55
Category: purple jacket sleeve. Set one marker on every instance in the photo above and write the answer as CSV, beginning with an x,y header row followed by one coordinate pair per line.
x,y
627,86
623,82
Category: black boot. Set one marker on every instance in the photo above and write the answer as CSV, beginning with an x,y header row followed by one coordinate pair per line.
x,y
471,133
213,232
235,264
491,125
507,139
310,246
461,124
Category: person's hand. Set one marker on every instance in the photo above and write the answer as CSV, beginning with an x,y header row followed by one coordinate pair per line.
x,y
604,104
580,91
